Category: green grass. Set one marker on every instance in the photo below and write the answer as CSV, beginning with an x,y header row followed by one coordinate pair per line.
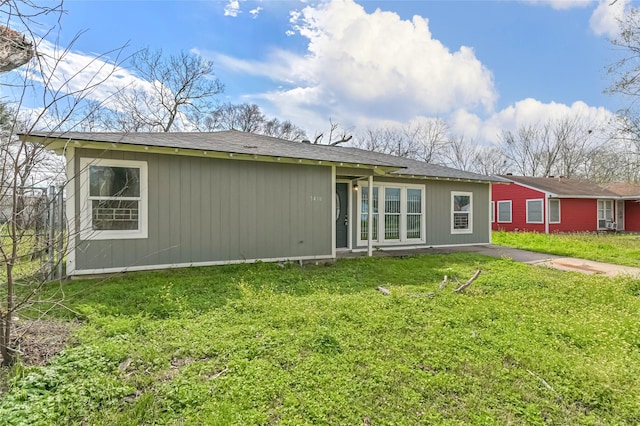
x,y
258,344
621,249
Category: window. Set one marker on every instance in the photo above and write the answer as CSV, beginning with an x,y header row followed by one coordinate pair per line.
x,y
397,218
392,213
534,211
493,211
605,213
504,211
461,213
554,211
114,199
414,213
364,215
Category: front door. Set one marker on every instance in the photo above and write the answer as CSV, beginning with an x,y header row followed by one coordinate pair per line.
x,y
342,218
620,215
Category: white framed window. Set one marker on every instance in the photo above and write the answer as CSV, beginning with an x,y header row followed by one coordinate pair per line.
x,y
392,213
461,212
397,213
504,211
535,211
493,212
364,204
605,213
113,199
554,211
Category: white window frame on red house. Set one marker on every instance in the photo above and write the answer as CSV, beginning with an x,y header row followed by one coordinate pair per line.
x,y
607,207
493,212
551,203
536,200
505,202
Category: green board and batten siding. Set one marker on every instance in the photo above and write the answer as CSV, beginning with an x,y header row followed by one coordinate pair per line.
x,y
438,207
204,210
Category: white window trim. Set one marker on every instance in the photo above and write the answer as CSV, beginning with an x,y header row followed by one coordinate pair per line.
x,y
598,209
510,212
86,230
469,230
541,201
403,214
555,200
492,214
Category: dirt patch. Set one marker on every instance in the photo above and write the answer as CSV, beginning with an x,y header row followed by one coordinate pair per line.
x,y
39,340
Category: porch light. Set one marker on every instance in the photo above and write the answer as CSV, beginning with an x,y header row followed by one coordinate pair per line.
x,y
355,186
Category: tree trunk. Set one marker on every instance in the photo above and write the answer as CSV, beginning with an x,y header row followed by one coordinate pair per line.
x,y
6,349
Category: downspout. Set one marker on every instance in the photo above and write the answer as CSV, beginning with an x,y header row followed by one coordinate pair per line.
x,y
370,218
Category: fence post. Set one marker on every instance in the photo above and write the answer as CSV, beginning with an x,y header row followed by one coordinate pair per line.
x,y
51,236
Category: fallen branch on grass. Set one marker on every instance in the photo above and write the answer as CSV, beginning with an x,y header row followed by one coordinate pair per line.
x,y
468,283
383,290
443,283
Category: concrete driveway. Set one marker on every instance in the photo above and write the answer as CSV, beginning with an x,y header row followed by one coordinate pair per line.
x,y
549,260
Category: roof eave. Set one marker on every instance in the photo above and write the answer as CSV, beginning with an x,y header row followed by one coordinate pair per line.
x,y
60,145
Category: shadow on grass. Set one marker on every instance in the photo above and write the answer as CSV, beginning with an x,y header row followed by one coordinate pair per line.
x,y
172,293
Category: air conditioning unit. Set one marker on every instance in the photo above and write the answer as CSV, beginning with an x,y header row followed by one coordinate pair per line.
x,y
611,225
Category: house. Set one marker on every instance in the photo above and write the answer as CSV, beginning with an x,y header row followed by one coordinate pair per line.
x,y
630,194
558,204
141,201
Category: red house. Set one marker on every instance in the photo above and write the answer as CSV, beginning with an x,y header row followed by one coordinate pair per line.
x,y
557,204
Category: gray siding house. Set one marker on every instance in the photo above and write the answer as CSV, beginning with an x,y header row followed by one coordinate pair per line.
x,y
141,201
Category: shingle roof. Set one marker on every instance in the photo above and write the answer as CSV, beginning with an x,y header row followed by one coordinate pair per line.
x,y
563,187
420,168
236,142
625,189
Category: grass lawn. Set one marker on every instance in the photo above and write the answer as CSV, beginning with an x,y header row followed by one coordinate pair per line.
x,y
261,344
621,249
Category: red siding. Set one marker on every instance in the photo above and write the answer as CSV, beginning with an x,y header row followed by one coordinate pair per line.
x,y
518,196
632,215
577,215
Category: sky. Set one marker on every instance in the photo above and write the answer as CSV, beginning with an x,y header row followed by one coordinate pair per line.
x,y
483,66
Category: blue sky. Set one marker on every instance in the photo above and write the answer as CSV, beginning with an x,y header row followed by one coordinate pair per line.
x,y
481,65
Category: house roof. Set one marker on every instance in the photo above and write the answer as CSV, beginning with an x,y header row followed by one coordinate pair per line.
x,y
563,187
235,142
625,189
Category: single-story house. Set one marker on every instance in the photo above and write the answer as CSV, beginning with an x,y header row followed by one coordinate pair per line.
x,y
630,194
141,201
558,204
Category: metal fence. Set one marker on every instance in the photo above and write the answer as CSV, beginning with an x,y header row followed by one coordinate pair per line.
x,y
38,214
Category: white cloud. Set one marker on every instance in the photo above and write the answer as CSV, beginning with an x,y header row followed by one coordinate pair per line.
x,y
255,12
372,64
561,4
232,8
604,20
526,112
73,71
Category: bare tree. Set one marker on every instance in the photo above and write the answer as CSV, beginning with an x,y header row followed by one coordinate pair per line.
x,y
25,165
248,118
337,135
556,147
461,153
425,140
177,89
